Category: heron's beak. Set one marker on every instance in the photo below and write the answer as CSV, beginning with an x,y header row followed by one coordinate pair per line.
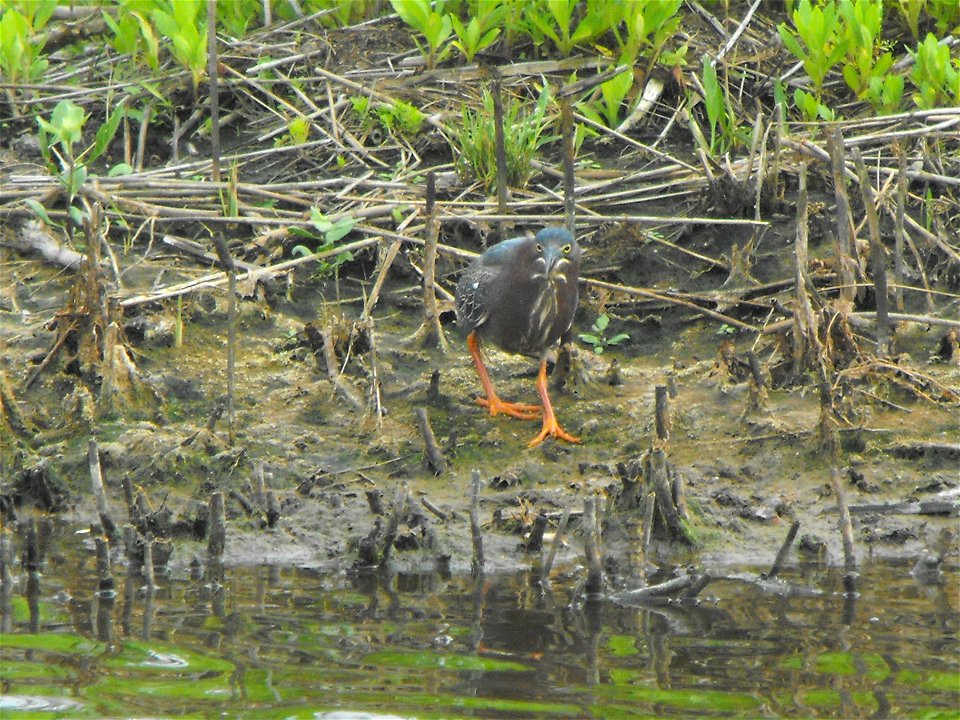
x,y
553,258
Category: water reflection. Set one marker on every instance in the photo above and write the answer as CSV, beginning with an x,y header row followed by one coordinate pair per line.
x,y
261,641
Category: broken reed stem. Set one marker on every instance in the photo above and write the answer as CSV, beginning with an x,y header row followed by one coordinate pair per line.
x,y
662,414
430,332
899,230
393,524
431,316
878,260
217,538
213,78
330,358
435,460
846,532
659,479
499,149
569,151
591,549
148,574
804,321
555,545
782,553
534,541
6,582
226,260
105,582
476,564
99,494
845,231
649,505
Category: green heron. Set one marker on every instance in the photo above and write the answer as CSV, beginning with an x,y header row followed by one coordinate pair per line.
x,y
521,295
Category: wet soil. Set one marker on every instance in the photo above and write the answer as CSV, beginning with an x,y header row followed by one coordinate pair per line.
x,y
748,472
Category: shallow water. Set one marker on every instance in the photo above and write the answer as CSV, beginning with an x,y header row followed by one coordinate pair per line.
x,y
295,643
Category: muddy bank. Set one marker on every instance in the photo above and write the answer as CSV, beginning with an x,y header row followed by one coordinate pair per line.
x,y
747,471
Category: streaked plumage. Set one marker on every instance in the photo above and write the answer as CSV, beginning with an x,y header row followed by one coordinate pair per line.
x,y
521,295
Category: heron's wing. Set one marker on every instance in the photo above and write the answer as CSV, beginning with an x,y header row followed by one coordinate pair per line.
x,y
473,290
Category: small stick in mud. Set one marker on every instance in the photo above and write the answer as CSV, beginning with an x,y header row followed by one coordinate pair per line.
x,y
569,151
499,149
148,574
591,549
782,553
476,565
846,533
106,592
429,505
375,501
878,259
899,232
430,332
330,357
96,482
217,538
226,260
213,77
435,460
758,390
554,546
846,254
393,525
6,582
534,541
105,582
659,478
662,414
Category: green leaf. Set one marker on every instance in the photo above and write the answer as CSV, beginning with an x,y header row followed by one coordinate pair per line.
x,y
590,339
105,133
120,169
601,323
39,210
301,251
339,229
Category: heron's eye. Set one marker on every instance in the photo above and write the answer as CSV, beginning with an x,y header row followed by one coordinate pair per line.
x,y
566,249
539,248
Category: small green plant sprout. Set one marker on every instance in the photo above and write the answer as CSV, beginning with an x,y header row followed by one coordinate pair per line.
x,y
60,133
184,23
865,67
481,31
524,134
725,130
431,22
818,28
811,107
560,21
605,110
328,233
237,16
726,330
21,55
132,32
650,23
400,117
598,339
935,75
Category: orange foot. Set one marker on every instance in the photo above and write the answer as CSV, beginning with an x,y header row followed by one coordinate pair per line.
x,y
522,411
552,429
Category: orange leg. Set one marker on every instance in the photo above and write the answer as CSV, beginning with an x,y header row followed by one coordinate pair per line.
x,y
550,425
492,400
